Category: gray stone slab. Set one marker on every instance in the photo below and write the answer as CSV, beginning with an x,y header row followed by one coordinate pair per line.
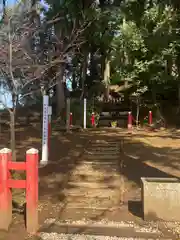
x,y
161,198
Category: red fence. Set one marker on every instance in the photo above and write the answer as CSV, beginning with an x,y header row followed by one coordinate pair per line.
x,y
131,119
93,119
30,184
70,119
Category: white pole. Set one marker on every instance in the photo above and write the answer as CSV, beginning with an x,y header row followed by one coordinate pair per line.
x,y
68,114
44,159
50,111
49,127
85,103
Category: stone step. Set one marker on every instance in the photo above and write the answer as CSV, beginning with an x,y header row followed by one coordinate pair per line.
x,y
100,231
103,153
104,148
94,175
96,162
90,206
87,201
100,179
86,207
104,142
93,193
91,203
100,145
94,185
101,168
103,157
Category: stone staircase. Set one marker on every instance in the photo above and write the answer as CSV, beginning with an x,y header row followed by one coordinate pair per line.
x,y
95,183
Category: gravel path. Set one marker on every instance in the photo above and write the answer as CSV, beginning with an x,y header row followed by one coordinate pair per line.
x,y
83,229
55,236
149,227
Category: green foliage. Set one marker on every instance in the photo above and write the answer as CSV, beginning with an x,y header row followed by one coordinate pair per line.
x,y
139,37
146,48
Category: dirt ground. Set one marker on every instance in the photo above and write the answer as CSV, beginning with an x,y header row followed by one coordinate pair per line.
x,y
144,153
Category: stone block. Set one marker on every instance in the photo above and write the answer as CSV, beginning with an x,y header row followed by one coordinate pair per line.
x,y
161,199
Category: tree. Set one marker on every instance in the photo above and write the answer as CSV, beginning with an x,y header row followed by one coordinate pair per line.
x,y
28,54
73,22
146,48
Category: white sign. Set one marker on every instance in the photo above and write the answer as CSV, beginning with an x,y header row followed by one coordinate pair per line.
x,y
85,103
45,130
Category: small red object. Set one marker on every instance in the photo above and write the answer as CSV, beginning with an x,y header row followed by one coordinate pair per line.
x,y
129,121
5,193
93,120
70,119
32,160
150,117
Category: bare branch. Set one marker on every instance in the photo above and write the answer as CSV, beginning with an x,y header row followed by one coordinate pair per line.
x,y
25,62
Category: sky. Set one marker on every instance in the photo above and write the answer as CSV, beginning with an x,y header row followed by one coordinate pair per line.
x,y
11,2
6,97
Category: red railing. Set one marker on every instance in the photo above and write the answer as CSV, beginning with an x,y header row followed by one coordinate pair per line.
x,y
131,119
150,117
93,119
30,184
70,119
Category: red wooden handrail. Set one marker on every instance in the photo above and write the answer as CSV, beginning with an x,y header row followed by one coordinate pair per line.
x,y
30,184
16,165
93,120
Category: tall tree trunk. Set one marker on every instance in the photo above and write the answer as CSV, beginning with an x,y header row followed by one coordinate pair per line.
x,y
74,82
177,62
158,113
12,134
83,74
107,79
93,68
137,110
126,62
60,94
179,93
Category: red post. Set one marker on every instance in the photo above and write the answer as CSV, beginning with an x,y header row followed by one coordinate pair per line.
x,y
129,121
5,193
150,117
93,119
32,190
70,119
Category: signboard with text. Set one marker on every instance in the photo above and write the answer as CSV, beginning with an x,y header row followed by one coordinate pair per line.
x,y
45,129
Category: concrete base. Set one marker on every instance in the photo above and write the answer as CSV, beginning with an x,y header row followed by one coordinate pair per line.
x,y
161,198
42,164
